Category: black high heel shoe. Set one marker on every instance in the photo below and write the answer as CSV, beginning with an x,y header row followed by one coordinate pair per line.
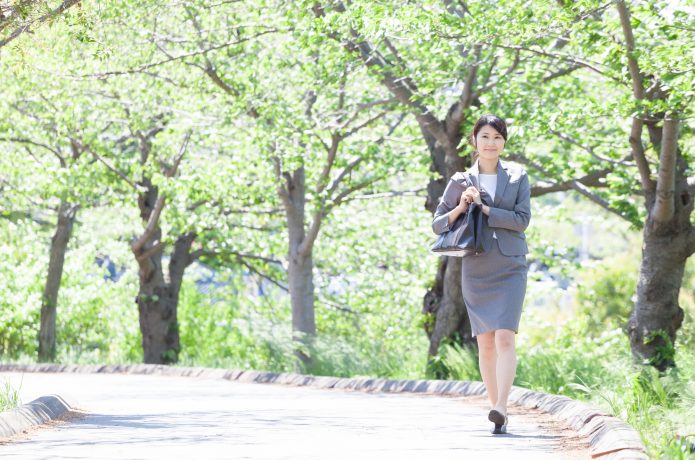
x,y
499,420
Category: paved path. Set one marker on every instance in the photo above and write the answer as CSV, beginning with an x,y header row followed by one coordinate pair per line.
x,y
158,417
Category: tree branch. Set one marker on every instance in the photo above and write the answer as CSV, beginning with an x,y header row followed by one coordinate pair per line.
x,y
665,205
404,89
308,241
561,56
170,172
346,170
635,75
589,149
237,254
182,56
363,125
282,189
55,152
151,224
561,72
27,27
263,275
240,258
590,180
330,160
495,82
392,193
454,116
637,149
581,188
150,252
359,186
118,172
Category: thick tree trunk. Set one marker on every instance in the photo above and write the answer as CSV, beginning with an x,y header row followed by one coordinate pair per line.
x,y
158,301
59,244
300,267
158,323
157,306
657,315
158,296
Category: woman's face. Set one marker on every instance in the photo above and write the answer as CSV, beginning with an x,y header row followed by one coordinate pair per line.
x,y
489,143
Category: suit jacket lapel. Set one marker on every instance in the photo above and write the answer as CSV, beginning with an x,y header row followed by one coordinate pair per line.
x,y
484,196
502,181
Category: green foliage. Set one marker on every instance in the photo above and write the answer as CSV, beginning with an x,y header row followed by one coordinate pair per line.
x,y
237,77
220,332
605,292
19,291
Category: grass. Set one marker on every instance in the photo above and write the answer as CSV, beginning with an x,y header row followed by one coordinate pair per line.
x,y
9,396
599,369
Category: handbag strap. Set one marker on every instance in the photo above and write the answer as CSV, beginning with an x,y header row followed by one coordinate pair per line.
x,y
467,175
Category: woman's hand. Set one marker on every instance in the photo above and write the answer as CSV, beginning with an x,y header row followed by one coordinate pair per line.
x,y
473,195
464,202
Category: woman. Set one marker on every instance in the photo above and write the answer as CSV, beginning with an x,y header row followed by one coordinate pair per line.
x,y
493,282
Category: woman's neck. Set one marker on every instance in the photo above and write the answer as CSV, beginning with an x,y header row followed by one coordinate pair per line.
x,y
487,166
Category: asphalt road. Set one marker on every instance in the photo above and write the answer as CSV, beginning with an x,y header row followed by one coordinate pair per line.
x,y
159,417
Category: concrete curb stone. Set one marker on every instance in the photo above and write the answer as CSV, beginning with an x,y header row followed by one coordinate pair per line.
x,y
37,412
610,438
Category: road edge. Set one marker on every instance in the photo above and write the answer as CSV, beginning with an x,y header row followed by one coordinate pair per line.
x,y
38,412
609,437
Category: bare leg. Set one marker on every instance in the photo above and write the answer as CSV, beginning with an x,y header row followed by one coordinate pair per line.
x,y
506,366
487,359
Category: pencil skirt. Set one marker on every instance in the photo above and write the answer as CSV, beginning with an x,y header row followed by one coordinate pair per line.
x,y
493,287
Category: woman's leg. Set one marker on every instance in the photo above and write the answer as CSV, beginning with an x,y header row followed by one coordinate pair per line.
x,y
506,366
487,359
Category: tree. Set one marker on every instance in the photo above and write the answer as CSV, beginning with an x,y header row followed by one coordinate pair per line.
x,y
62,179
635,71
149,123
450,72
320,135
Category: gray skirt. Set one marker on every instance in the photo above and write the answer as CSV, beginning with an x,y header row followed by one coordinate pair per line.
x,y
493,286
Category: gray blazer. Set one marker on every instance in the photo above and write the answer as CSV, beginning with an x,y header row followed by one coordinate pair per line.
x,y
510,213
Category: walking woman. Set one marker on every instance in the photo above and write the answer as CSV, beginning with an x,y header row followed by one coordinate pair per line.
x,y
493,282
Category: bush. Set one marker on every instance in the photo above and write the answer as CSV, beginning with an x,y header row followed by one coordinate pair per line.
x,y
605,292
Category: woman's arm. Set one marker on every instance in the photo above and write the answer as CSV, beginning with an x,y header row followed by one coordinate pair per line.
x,y
518,218
450,207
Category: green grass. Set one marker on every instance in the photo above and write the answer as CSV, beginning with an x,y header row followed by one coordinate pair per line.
x,y
599,369
9,396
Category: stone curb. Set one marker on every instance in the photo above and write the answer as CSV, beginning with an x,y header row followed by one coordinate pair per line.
x,y
609,437
37,412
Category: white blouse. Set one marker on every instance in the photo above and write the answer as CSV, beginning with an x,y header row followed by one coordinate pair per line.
x,y
488,182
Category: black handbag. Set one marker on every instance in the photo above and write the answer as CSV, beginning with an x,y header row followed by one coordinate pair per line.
x,y
465,236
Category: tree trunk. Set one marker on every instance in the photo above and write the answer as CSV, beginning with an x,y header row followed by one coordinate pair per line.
x,y
300,267
657,315
156,307
158,323
59,244
301,285
158,297
158,301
